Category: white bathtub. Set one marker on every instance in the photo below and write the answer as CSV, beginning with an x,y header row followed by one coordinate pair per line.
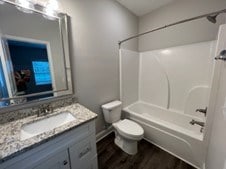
x,y
170,131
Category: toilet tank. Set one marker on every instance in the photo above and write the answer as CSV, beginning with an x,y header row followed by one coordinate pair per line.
x,y
112,111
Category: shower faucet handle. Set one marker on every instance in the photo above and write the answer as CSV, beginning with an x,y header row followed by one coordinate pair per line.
x,y
204,111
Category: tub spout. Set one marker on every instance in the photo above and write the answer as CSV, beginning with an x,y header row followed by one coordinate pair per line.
x,y
193,122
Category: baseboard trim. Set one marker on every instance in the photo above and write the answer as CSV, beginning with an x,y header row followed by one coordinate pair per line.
x,y
104,133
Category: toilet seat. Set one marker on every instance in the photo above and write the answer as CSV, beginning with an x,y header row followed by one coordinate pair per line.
x,y
129,129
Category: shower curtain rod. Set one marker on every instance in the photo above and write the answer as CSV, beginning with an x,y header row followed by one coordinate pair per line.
x,y
172,24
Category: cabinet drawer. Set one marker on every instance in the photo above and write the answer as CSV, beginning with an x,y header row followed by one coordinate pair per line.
x,y
57,161
81,154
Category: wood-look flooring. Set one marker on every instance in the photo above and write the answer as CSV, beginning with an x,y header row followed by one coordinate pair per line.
x,y
148,157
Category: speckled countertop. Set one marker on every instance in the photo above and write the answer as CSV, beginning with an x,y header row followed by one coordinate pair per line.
x,y
11,144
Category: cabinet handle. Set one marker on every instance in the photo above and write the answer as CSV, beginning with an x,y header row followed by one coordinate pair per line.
x,y
84,152
65,162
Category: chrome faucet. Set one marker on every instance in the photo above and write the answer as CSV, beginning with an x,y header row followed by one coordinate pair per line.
x,y
44,110
204,111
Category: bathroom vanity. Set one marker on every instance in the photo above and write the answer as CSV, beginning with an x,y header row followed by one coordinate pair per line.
x,y
71,145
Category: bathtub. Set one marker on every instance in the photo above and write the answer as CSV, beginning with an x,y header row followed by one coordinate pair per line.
x,y
170,130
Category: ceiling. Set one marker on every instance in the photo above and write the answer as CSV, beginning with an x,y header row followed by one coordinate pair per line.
x,y
142,7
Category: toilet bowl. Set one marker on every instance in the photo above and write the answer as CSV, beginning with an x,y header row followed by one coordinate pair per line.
x,y
127,132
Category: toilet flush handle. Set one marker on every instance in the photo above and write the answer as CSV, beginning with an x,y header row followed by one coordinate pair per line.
x,y
221,56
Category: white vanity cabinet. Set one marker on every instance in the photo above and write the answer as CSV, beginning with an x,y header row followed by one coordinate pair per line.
x,y
75,149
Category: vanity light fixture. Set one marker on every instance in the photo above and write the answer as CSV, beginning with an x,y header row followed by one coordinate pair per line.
x,y
48,8
25,5
1,2
50,14
51,10
52,4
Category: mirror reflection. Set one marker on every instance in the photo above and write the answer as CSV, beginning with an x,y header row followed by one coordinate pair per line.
x,y
33,64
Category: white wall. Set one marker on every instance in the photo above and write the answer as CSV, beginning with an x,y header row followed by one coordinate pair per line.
x,y
179,76
187,33
96,28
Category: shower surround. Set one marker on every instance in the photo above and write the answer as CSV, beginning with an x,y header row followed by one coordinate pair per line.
x,y
162,89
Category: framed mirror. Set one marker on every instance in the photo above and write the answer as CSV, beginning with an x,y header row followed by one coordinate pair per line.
x,y
34,55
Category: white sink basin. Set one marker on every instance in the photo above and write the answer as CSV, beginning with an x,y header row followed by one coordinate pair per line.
x,y
44,125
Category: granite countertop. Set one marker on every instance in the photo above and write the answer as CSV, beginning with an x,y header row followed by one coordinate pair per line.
x,y
11,144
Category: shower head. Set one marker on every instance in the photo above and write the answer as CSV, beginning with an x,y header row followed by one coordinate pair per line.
x,y
212,18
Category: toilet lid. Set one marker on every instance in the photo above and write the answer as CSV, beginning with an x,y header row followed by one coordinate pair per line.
x,y
130,128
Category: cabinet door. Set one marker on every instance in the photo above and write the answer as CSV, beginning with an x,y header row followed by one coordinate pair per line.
x,y
58,161
82,154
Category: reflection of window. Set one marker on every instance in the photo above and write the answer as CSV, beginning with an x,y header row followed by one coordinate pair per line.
x,y
41,72
3,88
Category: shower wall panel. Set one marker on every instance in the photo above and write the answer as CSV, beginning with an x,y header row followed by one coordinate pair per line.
x,y
177,77
129,61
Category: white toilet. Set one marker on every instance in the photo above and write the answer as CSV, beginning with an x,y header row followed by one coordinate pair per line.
x,y
127,132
